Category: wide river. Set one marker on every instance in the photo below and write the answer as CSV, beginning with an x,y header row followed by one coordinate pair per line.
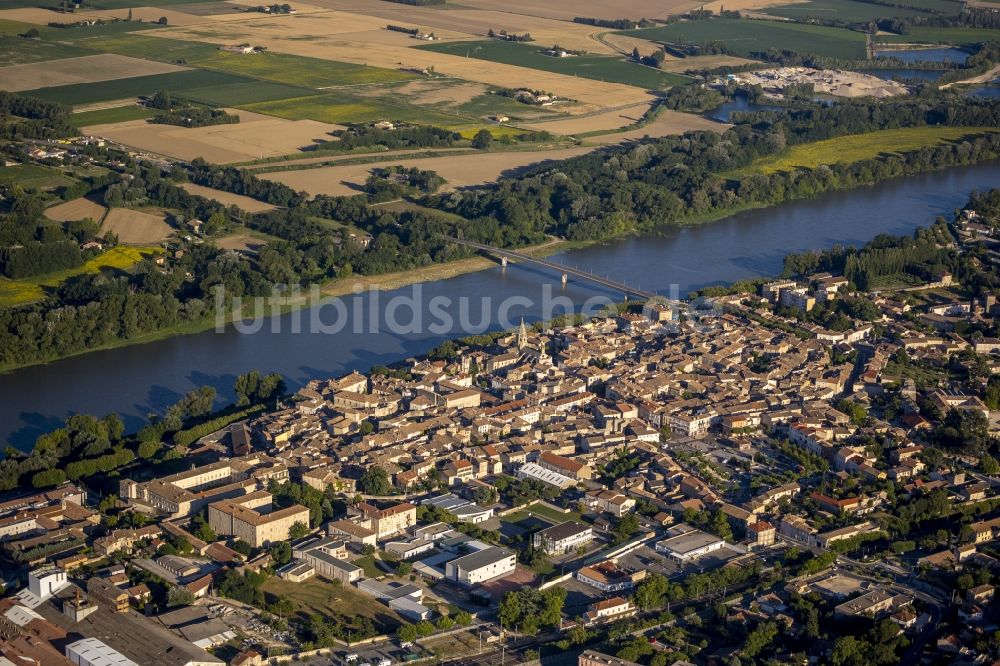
x,y
134,381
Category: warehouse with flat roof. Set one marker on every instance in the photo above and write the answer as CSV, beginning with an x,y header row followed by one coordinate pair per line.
x,y
685,543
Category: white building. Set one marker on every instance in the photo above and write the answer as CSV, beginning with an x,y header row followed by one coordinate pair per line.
x,y
685,543
481,566
539,473
563,538
92,652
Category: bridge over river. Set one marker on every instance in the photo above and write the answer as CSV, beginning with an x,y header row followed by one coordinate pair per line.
x,y
564,270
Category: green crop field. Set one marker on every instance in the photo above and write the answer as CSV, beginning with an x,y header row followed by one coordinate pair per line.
x,y
14,292
857,147
175,82
849,11
297,70
14,27
118,114
152,48
30,176
603,68
21,51
744,37
341,109
953,36
238,94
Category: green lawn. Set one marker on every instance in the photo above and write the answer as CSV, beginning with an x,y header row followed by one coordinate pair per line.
x,y
118,114
603,68
952,36
101,91
857,147
849,11
744,37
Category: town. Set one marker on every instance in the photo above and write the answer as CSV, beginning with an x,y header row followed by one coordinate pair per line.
x,y
799,464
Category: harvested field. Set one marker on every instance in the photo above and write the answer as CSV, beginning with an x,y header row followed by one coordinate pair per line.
x,y
86,69
667,123
240,242
567,9
460,171
254,137
77,209
228,198
610,120
478,22
703,62
133,227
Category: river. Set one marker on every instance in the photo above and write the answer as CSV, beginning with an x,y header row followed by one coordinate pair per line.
x,y
133,381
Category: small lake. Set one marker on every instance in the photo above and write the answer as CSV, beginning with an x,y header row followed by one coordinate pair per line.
x,y
988,91
927,55
723,113
921,74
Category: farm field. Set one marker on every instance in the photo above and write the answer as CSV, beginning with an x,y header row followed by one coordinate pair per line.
x,y
85,69
20,51
567,9
602,68
254,137
340,109
462,170
15,292
245,92
134,227
228,198
609,121
746,37
849,11
77,209
240,242
857,147
455,96
312,35
90,93
953,36
453,23
117,114
666,123
31,176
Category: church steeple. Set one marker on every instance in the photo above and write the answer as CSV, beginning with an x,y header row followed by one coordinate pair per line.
x,y
522,335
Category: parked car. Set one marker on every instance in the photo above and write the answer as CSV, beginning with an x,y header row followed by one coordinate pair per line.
x,y
350,657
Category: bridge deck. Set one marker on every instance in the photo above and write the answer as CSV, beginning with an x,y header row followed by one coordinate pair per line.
x,y
562,268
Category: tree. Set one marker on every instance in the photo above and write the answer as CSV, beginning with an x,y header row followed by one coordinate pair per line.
x,y
407,633
280,552
206,533
482,140
179,596
650,591
48,478
989,465
297,531
375,481
162,20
